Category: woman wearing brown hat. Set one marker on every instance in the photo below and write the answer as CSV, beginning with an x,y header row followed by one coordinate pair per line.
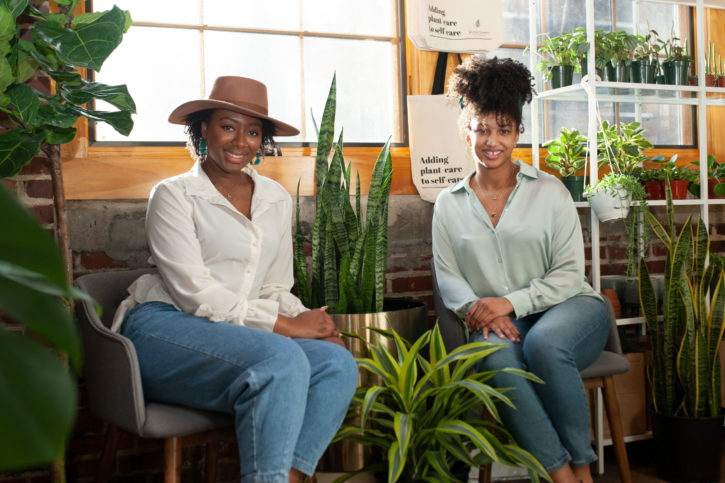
x,y
217,328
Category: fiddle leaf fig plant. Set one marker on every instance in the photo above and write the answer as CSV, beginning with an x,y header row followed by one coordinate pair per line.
x,y
39,344
59,45
349,247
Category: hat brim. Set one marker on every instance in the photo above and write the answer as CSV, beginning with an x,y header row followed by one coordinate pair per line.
x,y
179,115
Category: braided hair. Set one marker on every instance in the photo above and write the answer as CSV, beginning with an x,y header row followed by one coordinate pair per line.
x,y
485,86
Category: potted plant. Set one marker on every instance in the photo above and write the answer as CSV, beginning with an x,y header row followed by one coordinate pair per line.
x,y
612,195
710,65
646,59
676,63
653,182
679,177
715,178
35,290
622,47
558,60
349,252
567,155
418,411
685,341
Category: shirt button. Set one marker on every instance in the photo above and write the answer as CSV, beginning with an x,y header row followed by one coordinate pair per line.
x,y
500,261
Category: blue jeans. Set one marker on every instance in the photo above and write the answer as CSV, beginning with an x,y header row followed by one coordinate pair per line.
x,y
551,420
288,396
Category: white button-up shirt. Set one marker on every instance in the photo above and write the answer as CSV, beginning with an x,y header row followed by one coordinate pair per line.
x,y
213,261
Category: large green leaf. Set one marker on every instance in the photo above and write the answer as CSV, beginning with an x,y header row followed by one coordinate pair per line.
x,y
119,120
7,25
15,7
117,96
6,74
25,103
17,148
32,431
88,44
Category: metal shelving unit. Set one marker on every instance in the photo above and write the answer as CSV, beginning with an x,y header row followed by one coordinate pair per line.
x,y
598,91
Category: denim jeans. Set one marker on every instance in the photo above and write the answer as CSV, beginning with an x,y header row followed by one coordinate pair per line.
x,y
551,420
288,396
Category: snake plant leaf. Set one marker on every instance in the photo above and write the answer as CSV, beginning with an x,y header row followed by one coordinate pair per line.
x,y
17,149
88,44
117,96
330,268
15,7
34,432
325,135
302,280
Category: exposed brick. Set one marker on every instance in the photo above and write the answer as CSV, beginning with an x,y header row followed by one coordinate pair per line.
x,y
44,213
39,188
659,251
412,284
39,165
617,253
717,246
98,260
612,269
656,266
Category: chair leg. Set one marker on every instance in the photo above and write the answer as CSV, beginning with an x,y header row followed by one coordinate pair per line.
x,y
109,454
212,449
172,456
615,425
484,473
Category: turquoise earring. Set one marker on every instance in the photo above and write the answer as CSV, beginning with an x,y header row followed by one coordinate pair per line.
x,y
257,160
202,147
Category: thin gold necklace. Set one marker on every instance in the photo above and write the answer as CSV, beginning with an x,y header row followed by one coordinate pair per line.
x,y
495,196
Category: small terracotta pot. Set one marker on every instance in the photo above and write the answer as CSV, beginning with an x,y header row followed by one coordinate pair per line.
x,y
709,80
679,188
711,189
655,189
692,80
611,294
721,81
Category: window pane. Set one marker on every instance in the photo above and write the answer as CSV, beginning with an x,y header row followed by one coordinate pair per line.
x,y
516,22
248,55
171,77
366,98
369,17
165,11
566,15
269,14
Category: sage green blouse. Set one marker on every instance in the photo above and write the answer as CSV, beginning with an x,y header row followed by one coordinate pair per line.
x,y
534,257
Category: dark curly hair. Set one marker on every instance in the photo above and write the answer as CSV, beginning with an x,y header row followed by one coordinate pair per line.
x,y
193,130
485,86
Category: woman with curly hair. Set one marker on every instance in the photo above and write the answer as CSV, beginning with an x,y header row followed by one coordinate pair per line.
x,y
509,258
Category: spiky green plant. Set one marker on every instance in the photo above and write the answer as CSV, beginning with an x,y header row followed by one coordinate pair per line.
x,y
419,411
349,248
685,373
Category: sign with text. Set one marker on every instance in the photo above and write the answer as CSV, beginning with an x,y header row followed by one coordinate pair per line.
x,y
438,155
464,26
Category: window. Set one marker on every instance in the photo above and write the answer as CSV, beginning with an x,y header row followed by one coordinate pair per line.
x,y
176,48
665,124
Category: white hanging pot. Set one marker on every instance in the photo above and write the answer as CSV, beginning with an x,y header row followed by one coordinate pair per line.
x,y
611,204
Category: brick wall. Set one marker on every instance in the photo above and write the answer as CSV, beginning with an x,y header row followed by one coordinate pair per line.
x,y
108,235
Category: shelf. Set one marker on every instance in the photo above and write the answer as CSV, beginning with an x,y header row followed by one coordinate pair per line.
x,y
687,202
630,438
631,321
638,94
693,3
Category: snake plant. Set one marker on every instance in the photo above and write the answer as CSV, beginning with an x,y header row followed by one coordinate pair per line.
x,y
349,248
418,410
685,373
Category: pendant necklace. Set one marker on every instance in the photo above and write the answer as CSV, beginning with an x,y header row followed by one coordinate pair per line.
x,y
494,196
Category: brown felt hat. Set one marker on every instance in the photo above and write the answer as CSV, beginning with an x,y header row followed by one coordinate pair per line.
x,y
238,94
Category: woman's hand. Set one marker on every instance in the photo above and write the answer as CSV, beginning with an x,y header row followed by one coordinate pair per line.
x,y
484,310
504,328
311,324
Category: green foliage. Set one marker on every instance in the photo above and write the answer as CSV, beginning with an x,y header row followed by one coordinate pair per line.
x,y
668,170
685,369
567,153
59,45
672,49
715,170
420,411
558,50
623,149
349,248
39,394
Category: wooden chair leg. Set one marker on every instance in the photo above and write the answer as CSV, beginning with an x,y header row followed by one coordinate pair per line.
x,y
172,457
109,454
615,425
484,473
212,449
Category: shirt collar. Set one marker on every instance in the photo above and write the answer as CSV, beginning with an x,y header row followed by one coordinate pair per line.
x,y
524,170
198,184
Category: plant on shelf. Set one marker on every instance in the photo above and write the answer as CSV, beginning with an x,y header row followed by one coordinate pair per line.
x,y
646,58
715,178
685,341
676,62
349,247
568,155
612,195
39,401
420,411
558,59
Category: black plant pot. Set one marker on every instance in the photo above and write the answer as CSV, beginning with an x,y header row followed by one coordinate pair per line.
x,y
562,76
676,72
643,71
687,450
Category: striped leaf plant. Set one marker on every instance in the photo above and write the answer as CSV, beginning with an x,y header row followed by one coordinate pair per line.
x,y
349,247
685,340
420,410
